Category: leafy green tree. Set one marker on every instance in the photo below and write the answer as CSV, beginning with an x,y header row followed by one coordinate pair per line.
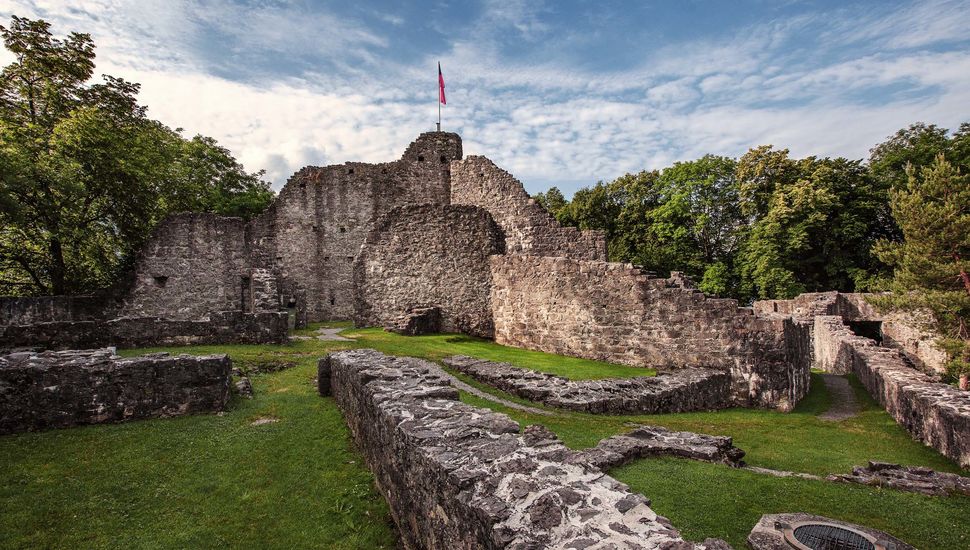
x,y
813,223
552,200
931,265
918,145
85,175
594,208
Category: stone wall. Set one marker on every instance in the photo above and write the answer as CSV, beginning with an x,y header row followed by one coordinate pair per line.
x,y
127,332
17,310
192,265
529,228
613,312
934,413
61,389
428,256
322,216
461,477
682,390
904,331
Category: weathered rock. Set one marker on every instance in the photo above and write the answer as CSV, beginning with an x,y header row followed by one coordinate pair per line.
x,y
614,312
418,321
220,327
65,388
457,476
244,387
528,227
675,391
770,532
915,479
646,441
429,256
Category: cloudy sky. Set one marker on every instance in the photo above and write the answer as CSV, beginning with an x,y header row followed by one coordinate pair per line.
x,y
558,92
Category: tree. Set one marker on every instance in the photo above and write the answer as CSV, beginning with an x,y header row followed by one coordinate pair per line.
x,y
931,265
552,200
918,145
812,223
85,175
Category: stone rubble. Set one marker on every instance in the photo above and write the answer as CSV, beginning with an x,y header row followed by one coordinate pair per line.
x,y
417,321
646,441
676,391
914,479
461,477
56,389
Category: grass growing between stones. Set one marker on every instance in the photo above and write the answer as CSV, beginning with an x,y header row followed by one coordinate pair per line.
x,y
208,481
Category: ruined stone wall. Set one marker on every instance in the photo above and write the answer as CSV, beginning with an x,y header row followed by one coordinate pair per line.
x,y
461,477
612,312
529,228
61,389
128,332
904,331
191,266
323,215
428,256
934,413
26,310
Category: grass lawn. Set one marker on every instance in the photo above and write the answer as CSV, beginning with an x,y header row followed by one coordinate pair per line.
x,y
217,481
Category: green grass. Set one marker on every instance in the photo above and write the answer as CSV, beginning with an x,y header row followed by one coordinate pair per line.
x,y
439,346
202,481
208,481
710,500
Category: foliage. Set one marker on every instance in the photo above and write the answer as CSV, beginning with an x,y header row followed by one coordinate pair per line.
x,y
552,200
918,145
763,226
813,223
85,175
931,264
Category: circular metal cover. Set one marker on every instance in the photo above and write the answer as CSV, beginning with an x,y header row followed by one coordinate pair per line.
x,y
828,536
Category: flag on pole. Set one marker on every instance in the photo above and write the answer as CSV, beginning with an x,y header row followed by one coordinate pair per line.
x,y
441,86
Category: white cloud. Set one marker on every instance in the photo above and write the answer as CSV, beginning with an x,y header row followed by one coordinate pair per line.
x,y
547,122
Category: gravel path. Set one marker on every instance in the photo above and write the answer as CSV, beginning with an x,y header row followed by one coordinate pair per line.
x,y
844,404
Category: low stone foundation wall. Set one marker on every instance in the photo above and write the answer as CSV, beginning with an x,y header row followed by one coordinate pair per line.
x,y
659,441
461,477
678,391
40,391
934,413
221,327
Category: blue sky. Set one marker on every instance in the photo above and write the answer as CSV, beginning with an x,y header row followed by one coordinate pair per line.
x,y
559,93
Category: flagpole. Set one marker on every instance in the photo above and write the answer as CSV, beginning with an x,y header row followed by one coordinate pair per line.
x,y
439,96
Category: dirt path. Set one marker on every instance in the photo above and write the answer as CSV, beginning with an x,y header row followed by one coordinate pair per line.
x,y
844,404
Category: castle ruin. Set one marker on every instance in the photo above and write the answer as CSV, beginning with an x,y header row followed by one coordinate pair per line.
x,y
438,232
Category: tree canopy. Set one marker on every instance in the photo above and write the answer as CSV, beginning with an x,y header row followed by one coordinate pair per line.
x,y
766,225
85,174
932,262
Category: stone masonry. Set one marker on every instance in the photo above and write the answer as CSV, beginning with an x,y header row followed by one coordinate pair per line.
x,y
429,255
460,477
648,441
39,391
613,312
677,391
529,228
431,230
936,414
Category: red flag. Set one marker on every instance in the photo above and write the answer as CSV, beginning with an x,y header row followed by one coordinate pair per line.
x,y
441,86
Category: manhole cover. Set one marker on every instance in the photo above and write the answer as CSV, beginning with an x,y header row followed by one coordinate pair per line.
x,y
821,536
